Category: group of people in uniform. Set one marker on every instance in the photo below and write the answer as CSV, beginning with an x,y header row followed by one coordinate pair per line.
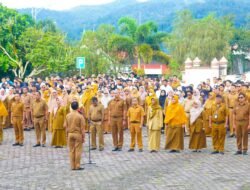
x,y
71,107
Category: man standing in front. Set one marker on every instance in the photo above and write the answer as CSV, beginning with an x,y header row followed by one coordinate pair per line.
x,y
39,114
218,122
27,101
117,116
75,129
231,100
96,116
241,123
135,122
17,113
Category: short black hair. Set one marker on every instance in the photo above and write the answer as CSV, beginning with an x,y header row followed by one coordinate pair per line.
x,y
94,99
74,105
218,96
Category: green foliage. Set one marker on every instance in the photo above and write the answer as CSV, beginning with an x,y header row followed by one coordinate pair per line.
x,y
161,57
206,38
146,53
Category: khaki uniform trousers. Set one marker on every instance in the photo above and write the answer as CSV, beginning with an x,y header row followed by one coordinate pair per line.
x,y
136,134
18,129
242,135
187,126
2,120
96,127
231,127
39,124
117,131
75,149
218,136
27,119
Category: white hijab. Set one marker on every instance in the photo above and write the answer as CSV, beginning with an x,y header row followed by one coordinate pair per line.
x,y
195,112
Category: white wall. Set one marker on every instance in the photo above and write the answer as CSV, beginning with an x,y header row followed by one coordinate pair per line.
x,y
196,75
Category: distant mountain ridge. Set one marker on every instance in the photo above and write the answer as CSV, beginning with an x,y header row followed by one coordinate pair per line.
x,y
78,19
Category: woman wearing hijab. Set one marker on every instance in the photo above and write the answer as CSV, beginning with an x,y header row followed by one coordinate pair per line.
x,y
4,121
52,104
162,98
59,133
154,123
106,98
197,131
3,115
207,109
175,121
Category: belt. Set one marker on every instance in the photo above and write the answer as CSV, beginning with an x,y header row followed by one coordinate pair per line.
x,y
117,116
39,116
135,122
17,116
231,107
187,112
219,122
96,120
243,120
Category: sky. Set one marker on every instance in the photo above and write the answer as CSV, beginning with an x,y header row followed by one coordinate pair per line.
x,y
51,4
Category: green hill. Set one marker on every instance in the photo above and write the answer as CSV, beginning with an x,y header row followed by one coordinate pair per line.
x,y
76,20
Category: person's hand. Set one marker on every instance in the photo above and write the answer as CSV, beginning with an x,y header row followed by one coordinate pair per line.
x,y
183,126
225,125
166,125
234,126
249,126
123,122
83,140
210,126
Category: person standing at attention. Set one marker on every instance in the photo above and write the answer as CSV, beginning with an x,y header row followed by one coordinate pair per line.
x,y
135,122
75,130
154,125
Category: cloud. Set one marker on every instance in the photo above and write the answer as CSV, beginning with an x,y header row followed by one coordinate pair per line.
x,y
51,4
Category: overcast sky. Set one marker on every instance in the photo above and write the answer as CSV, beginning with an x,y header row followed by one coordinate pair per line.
x,y
51,4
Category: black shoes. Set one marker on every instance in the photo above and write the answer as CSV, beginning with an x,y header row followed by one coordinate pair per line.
x,y
43,145
215,152
20,144
140,150
238,152
15,144
78,169
36,145
244,153
222,153
174,151
131,150
153,151
93,148
115,149
101,149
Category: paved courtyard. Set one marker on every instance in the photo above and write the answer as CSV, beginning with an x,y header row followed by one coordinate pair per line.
x,y
28,168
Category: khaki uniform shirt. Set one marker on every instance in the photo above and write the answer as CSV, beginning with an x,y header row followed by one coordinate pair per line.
x,y
219,112
26,99
75,123
135,113
242,111
96,113
117,107
231,100
39,108
17,109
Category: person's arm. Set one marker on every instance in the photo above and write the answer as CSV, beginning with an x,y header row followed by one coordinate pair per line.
x,y
46,112
234,119
142,117
83,129
102,114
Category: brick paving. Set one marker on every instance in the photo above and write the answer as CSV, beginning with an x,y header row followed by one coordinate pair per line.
x,y
28,168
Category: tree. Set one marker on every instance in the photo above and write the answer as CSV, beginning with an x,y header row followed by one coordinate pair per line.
x,y
11,28
206,38
145,52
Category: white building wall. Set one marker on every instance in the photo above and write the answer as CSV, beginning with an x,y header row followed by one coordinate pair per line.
x,y
196,75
